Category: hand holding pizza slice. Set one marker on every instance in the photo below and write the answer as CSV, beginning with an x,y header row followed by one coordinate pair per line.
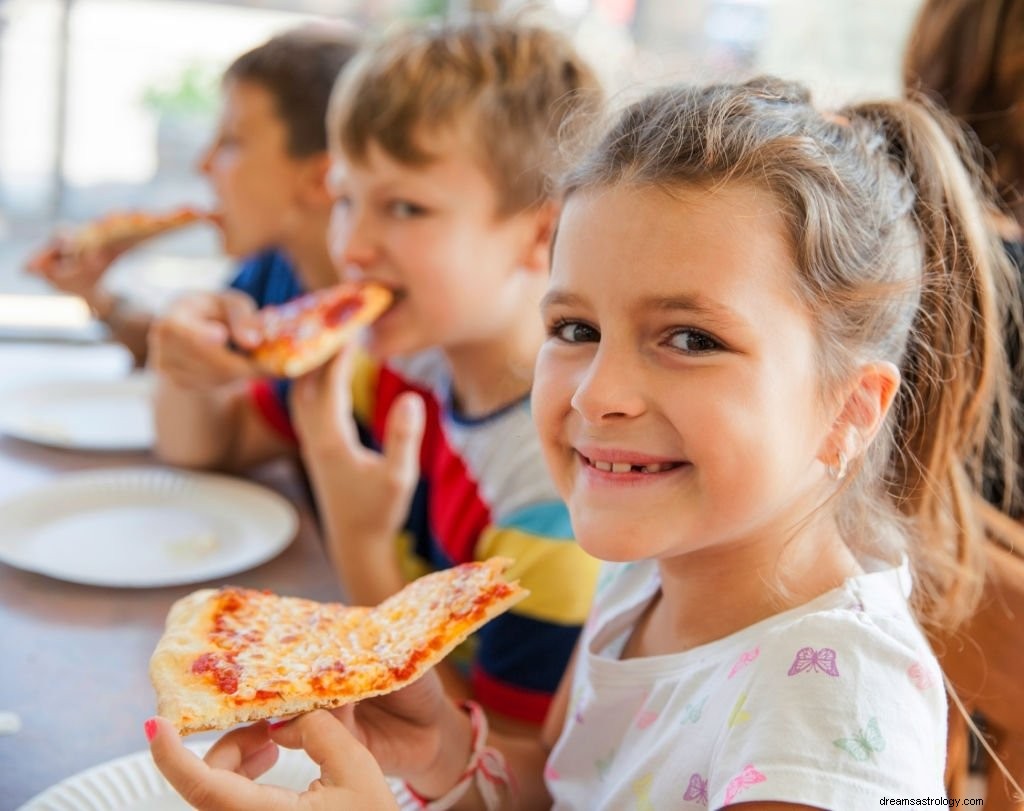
x,y
232,655
297,337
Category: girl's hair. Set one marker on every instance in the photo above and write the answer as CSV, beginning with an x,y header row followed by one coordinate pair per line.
x,y
519,89
298,68
966,54
895,263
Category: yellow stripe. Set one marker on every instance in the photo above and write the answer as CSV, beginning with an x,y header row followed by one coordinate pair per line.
x,y
364,387
560,576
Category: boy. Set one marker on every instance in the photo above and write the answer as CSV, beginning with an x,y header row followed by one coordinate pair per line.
x,y
266,167
442,139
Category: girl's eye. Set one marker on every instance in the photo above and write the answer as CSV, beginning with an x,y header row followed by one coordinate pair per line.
x,y
574,332
404,210
693,341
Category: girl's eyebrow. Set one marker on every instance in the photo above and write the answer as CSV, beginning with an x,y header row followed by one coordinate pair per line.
x,y
693,304
556,297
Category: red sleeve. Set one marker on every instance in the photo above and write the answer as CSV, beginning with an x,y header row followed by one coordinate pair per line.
x,y
269,406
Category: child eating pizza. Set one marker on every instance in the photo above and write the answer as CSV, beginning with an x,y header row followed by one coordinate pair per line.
x,y
442,139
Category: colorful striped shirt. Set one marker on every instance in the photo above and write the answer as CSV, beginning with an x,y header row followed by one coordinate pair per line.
x,y
484,491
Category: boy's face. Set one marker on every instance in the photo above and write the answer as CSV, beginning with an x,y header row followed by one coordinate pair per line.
x,y
430,234
254,179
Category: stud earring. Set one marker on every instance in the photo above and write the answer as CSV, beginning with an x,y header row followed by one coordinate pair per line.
x,y
837,469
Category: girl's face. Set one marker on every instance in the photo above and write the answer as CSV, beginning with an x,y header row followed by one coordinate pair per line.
x,y
676,394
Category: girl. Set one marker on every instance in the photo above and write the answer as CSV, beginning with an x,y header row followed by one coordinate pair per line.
x,y
773,361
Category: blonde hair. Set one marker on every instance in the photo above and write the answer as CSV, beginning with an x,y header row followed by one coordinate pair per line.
x,y
520,88
895,263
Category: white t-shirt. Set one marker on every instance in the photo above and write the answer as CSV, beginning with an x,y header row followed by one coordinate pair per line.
x,y
834,704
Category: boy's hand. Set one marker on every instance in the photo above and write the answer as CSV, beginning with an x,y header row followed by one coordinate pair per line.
x,y
349,776
77,275
191,343
367,493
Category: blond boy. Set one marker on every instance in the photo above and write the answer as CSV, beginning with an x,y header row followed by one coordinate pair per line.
x,y
442,140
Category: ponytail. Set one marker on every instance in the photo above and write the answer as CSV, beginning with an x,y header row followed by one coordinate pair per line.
x,y
954,415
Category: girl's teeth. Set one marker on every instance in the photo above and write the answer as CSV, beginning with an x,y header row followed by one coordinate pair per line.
x,y
625,467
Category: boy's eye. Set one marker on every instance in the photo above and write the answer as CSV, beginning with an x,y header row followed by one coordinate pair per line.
x,y
403,209
574,332
693,341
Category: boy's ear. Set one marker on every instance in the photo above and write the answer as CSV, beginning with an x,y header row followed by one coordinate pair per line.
x,y
541,225
313,180
863,412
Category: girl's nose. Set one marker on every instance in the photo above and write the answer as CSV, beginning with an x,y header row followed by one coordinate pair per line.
x,y
610,387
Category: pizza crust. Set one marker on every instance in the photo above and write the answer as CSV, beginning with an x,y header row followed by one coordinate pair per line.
x,y
351,653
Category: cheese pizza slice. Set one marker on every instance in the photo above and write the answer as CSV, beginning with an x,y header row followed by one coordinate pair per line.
x,y
306,332
123,229
233,655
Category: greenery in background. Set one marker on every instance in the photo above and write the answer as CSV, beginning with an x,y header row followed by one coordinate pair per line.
x,y
192,93
423,9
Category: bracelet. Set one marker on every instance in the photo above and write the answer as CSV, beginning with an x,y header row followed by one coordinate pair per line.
x,y
486,768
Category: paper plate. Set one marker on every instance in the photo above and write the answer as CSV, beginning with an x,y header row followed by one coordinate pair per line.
x,y
94,415
144,527
132,783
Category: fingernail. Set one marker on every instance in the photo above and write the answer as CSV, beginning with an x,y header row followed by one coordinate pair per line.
x,y
278,724
150,729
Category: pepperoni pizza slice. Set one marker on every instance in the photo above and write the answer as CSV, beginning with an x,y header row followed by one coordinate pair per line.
x,y
308,331
233,655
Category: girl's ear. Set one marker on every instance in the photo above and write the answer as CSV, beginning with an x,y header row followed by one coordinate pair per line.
x,y
862,413
540,229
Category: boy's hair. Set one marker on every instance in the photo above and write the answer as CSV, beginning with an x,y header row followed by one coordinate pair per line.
x,y
895,262
521,89
966,54
299,68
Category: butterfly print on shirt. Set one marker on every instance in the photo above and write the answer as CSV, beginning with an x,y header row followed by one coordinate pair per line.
x,y
741,782
822,660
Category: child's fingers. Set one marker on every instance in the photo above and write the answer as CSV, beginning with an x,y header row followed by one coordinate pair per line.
x,y
342,759
200,785
247,751
403,434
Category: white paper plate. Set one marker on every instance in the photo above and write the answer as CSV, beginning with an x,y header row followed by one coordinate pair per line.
x,y
144,527
96,415
132,783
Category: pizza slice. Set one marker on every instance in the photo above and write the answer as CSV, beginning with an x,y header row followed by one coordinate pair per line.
x,y
122,229
233,655
305,333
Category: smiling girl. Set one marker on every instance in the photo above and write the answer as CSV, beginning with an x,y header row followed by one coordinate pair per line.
x,y
773,363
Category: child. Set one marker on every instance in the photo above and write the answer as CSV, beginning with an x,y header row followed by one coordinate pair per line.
x,y
266,168
459,228
774,344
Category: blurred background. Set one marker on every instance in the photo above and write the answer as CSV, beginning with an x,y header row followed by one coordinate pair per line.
x,y
105,104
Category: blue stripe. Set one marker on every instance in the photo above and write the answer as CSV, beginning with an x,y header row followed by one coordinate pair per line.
x,y
548,520
525,652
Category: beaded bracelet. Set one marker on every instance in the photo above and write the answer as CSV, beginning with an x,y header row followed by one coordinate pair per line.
x,y
486,767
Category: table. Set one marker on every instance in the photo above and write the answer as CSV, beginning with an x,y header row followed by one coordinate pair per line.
x,y
74,658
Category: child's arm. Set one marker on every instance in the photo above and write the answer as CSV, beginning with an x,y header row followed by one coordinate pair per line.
x,y
205,416
81,274
364,496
